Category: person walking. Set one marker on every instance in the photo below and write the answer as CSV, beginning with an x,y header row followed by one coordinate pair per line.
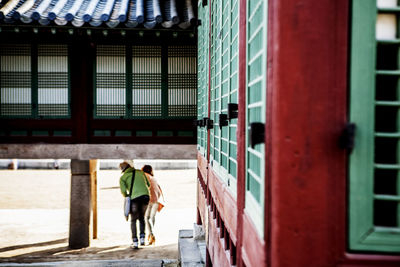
x,y
140,197
154,204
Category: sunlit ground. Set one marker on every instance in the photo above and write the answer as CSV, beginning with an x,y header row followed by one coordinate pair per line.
x,y
34,216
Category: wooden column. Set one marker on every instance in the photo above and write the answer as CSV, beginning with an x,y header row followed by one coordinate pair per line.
x,y
308,168
241,133
93,166
81,61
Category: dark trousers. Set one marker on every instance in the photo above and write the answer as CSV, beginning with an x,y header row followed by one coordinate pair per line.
x,y
138,209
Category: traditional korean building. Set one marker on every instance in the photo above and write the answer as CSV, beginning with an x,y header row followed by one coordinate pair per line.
x,y
83,71
87,80
298,138
296,106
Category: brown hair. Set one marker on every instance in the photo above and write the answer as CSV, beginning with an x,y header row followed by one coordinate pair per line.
x,y
148,169
123,166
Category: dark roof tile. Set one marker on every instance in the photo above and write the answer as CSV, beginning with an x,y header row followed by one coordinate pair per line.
x,y
133,13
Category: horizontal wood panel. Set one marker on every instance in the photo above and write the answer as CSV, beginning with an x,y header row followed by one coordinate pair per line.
x,y
226,204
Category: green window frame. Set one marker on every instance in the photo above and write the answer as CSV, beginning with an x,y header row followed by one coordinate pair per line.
x,y
224,89
215,72
35,81
145,82
256,81
202,84
374,164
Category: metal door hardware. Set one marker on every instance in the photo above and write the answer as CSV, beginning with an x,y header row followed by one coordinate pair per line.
x,y
347,138
209,124
232,111
199,123
223,120
256,133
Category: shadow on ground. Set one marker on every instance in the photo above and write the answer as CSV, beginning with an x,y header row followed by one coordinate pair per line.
x,y
60,251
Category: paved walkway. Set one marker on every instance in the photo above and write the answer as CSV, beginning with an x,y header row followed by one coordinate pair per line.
x,y
34,218
97,263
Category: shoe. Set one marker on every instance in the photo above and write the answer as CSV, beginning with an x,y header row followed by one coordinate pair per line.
x,y
135,244
152,240
142,241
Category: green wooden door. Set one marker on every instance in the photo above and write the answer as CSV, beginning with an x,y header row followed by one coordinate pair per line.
x,y
202,76
224,89
256,79
374,180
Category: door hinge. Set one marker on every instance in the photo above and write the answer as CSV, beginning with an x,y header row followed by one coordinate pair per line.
x,y
256,133
209,124
232,111
347,137
223,120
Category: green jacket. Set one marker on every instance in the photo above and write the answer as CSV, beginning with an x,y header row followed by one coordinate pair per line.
x,y
140,186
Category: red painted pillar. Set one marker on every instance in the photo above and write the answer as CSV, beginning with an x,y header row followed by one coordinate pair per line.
x,y
308,169
241,132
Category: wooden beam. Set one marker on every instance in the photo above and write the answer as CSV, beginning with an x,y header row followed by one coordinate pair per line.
x,y
97,151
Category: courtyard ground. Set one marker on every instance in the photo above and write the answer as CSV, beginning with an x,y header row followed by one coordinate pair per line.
x,y
34,217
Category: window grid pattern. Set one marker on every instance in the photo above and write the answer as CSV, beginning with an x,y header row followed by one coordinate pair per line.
x,y
202,77
34,81
256,87
224,88
233,83
110,81
53,81
215,108
182,81
146,81
15,80
375,109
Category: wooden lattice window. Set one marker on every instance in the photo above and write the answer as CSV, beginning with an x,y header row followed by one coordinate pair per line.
x,y
182,81
202,76
34,81
134,82
224,89
256,60
374,180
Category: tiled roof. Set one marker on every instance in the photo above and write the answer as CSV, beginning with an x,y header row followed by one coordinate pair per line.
x,y
123,13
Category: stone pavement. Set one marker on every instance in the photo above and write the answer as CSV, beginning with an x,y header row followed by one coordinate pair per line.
x,y
34,225
99,263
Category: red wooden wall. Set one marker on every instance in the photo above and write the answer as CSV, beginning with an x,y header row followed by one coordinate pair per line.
x,y
306,170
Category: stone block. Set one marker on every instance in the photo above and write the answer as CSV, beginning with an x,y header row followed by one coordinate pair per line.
x,y
80,166
79,225
185,233
198,232
189,253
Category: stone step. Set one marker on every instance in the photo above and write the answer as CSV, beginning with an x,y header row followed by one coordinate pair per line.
x,y
191,251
